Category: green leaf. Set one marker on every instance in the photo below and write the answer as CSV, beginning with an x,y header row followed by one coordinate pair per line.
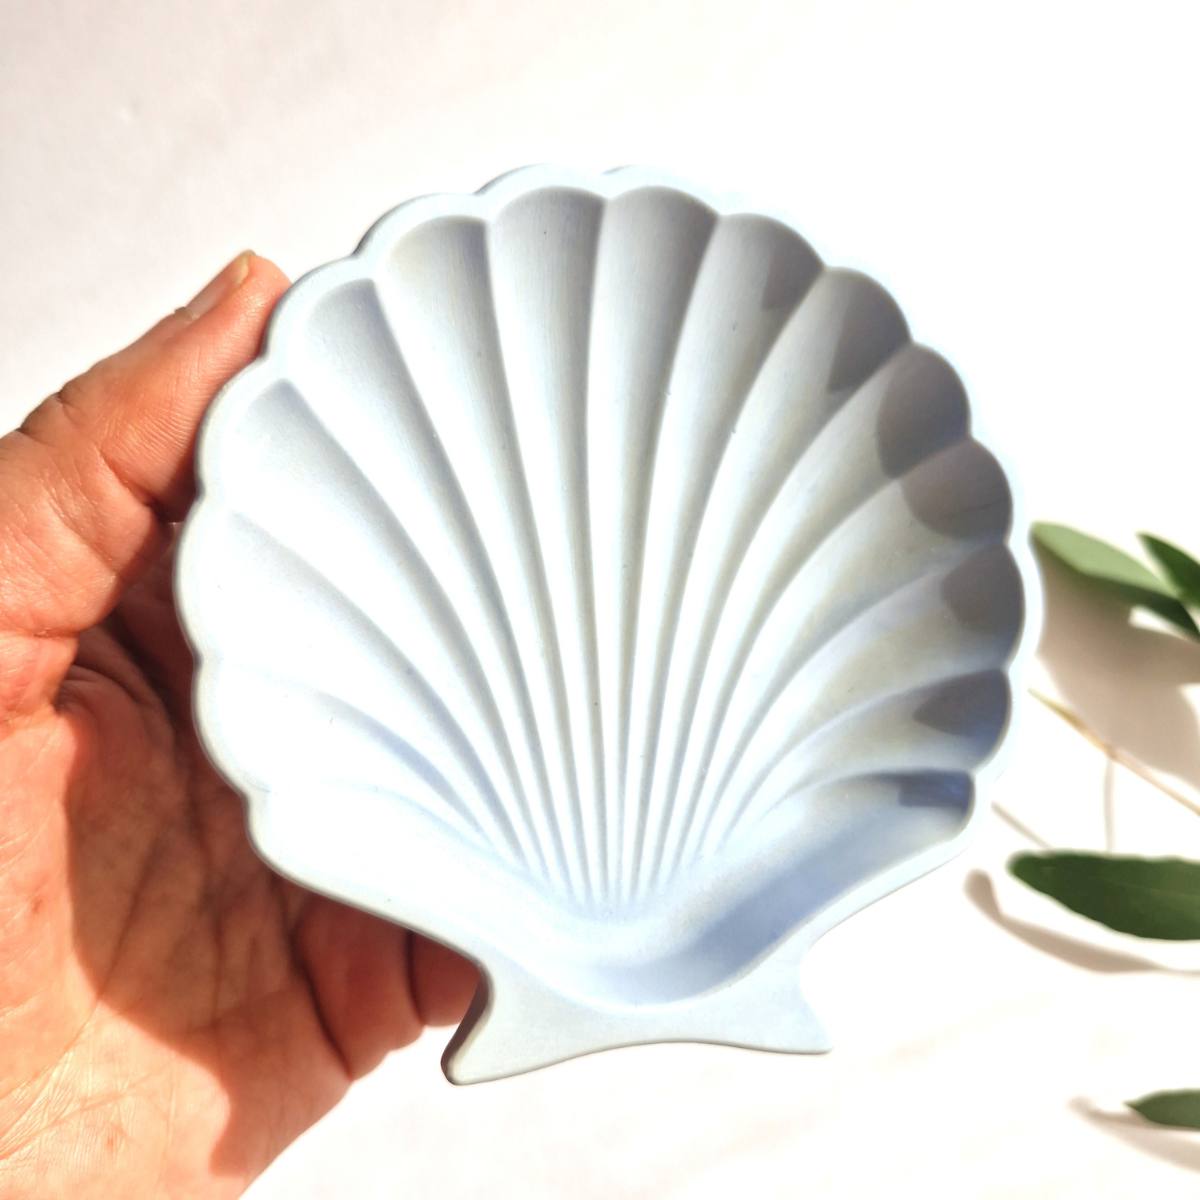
x,y
1178,1109
1148,897
1177,565
1114,572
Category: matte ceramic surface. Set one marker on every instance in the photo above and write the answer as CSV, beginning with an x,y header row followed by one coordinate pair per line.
x,y
588,577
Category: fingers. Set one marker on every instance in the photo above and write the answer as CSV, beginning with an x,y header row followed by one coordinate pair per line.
x,y
89,480
443,982
357,966
376,986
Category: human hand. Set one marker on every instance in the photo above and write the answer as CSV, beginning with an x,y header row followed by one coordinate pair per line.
x,y
172,1013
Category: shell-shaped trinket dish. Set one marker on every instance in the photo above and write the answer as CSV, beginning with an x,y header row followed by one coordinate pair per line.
x,y
587,577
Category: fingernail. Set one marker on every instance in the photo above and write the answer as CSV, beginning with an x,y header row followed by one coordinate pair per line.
x,y
225,282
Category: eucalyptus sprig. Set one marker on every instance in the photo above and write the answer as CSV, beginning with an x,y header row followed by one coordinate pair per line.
x,y
1147,897
1170,593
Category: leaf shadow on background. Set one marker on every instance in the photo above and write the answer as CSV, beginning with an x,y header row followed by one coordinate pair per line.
x,y
982,893
1179,1147
1125,682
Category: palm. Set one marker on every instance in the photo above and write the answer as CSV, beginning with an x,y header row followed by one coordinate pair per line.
x,y
172,1008
230,1008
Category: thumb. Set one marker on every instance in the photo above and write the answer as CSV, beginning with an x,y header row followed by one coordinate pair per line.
x,y
91,479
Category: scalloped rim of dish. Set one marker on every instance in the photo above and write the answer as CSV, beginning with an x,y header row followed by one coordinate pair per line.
x,y
485,205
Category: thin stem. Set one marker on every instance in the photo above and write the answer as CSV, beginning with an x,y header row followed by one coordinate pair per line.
x,y
1019,826
1115,753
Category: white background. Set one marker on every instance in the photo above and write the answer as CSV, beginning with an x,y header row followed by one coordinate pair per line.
x,y
1024,178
